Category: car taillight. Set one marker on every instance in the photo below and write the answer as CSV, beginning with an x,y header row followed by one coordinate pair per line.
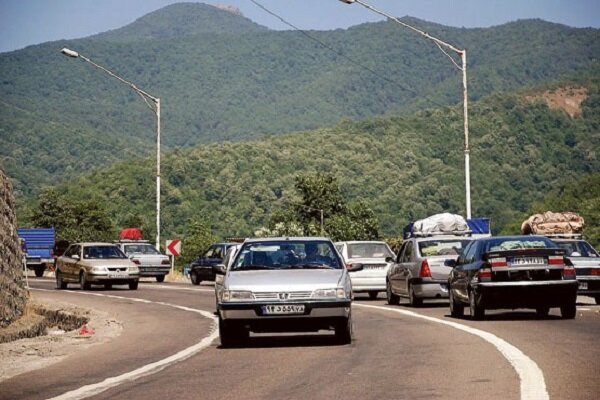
x,y
484,274
136,261
425,272
164,262
568,272
348,265
498,262
556,260
595,272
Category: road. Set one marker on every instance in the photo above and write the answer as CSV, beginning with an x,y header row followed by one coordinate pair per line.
x,y
399,352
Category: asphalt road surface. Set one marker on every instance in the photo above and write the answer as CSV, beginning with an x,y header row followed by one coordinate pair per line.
x,y
169,349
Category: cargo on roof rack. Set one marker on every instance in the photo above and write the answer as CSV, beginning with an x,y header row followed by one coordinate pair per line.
x,y
438,224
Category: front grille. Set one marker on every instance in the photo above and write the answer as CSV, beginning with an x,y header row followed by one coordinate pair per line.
x,y
113,269
275,295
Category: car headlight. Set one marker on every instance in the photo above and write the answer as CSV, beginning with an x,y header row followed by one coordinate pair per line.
x,y
337,293
237,295
98,269
134,269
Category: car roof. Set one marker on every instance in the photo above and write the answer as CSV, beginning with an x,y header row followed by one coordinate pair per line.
x,y
360,241
87,244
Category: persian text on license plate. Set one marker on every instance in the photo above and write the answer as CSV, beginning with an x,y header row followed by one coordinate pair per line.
x,y
528,261
116,276
583,285
283,309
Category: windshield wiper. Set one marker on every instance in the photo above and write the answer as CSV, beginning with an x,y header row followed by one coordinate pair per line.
x,y
252,267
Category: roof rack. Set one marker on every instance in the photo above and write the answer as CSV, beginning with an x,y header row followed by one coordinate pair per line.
x,y
437,233
565,235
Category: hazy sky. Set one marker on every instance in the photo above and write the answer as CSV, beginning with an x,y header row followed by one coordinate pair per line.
x,y
26,22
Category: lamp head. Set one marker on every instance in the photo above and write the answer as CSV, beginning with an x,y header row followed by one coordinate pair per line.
x,y
69,53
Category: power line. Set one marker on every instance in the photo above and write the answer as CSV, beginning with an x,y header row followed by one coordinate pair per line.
x,y
339,53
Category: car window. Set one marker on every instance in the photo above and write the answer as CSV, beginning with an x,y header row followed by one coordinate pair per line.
x,y
407,252
103,252
218,252
70,250
471,252
288,254
140,249
369,250
580,248
441,247
515,243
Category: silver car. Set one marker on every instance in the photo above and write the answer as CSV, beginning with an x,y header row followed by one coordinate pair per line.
x,y
375,257
419,271
284,285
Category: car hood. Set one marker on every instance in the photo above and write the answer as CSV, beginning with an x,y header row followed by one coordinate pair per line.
x,y
284,280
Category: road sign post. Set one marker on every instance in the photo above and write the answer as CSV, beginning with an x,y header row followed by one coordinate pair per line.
x,y
173,250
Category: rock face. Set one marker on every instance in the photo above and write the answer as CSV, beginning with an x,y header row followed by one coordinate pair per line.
x,y
13,293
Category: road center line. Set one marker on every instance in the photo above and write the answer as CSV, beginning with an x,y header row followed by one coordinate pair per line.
x,y
149,369
533,386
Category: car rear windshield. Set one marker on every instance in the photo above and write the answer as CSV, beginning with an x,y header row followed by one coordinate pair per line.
x,y
140,249
441,247
100,252
369,250
503,244
287,254
579,248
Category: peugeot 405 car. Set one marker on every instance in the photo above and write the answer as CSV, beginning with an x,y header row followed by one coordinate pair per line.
x,y
284,285
510,272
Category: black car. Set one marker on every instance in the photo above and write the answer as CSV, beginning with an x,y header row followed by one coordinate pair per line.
x,y
512,272
201,268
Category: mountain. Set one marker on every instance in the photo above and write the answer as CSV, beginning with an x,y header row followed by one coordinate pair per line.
x,y
221,77
181,20
405,167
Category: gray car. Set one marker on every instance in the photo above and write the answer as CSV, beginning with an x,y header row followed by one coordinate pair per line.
x,y
419,272
284,285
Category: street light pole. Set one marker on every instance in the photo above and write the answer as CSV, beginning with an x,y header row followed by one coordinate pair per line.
x,y
463,55
145,96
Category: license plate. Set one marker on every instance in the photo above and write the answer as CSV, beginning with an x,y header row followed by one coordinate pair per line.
x,y
583,285
283,309
528,261
116,276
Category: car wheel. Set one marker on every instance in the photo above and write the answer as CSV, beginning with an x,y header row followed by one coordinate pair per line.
x,y
60,284
39,271
343,331
392,299
457,310
412,297
373,295
477,311
568,311
133,285
542,312
231,334
194,278
160,278
83,282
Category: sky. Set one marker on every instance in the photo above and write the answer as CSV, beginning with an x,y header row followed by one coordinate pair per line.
x,y
27,22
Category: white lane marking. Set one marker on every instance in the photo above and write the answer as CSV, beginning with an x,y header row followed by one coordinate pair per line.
x,y
149,369
533,386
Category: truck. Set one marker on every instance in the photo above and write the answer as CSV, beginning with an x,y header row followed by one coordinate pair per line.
x,y
38,246
150,261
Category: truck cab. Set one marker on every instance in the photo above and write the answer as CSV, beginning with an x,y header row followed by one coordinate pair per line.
x,y
38,248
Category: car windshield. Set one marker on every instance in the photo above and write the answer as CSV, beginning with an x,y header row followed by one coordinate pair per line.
x,y
502,244
441,247
578,248
369,250
101,252
140,249
287,254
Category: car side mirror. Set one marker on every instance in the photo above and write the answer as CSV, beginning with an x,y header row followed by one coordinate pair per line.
x,y
355,267
389,259
219,269
451,262
75,256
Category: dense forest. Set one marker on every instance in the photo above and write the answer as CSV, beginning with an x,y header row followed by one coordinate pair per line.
x,y
222,78
403,167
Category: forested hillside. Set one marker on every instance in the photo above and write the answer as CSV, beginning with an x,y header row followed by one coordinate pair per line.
x,y
221,77
403,167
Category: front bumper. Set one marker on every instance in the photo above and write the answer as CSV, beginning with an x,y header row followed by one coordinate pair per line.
x,y
588,285
121,280
154,270
526,294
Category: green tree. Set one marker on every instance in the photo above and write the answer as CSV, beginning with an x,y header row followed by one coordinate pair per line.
x,y
197,238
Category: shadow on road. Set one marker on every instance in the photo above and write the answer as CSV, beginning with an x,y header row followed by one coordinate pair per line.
x,y
286,341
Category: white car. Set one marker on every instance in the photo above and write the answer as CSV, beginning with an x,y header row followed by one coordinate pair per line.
x,y
284,285
375,258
